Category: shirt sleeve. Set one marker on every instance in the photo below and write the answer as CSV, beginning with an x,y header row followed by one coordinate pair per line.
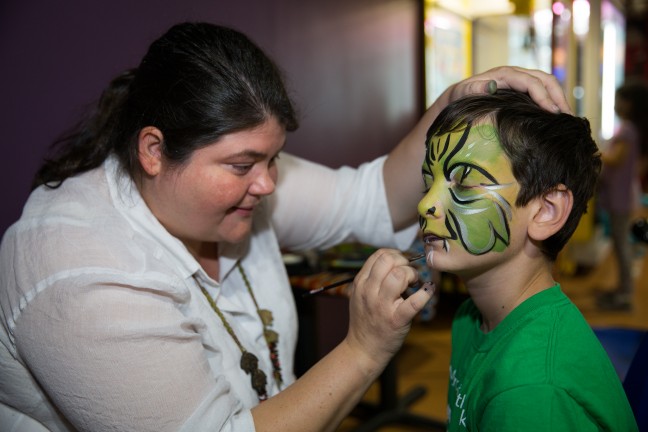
x,y
316,207
120,357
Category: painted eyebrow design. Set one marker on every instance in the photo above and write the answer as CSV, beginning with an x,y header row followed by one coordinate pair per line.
x,y
435,151
472,167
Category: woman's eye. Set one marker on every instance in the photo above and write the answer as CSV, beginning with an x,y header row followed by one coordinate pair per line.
x,y
242,168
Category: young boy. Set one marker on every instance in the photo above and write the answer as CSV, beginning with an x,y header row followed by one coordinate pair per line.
x,y
506,184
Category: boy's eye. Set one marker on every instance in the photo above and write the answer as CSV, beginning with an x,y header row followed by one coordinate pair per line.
x,y
468,176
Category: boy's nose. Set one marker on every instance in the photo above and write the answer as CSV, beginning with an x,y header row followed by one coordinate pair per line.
x,y
430,208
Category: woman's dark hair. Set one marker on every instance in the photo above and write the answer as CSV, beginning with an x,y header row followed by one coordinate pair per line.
x,y
197,83
545,149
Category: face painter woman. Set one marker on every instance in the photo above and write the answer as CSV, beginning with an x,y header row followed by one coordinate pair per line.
x,y
143,287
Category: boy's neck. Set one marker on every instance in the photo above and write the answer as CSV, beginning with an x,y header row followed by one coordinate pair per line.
x,y
497,292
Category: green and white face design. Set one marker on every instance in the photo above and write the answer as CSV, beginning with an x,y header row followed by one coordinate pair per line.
x,y
469,190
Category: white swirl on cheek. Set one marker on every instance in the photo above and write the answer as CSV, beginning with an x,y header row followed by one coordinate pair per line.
x,y
482,200
429,259
495,196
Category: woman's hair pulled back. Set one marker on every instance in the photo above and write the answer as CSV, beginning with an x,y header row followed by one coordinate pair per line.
x,y
197,83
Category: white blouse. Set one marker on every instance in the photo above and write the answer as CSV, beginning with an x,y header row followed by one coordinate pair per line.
x,y
104,326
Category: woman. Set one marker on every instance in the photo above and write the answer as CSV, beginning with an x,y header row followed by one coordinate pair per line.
x,y
143,287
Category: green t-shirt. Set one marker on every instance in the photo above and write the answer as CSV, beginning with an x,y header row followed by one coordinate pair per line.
x,y
541,369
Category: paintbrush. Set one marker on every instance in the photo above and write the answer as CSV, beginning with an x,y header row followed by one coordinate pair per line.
x,y
346,281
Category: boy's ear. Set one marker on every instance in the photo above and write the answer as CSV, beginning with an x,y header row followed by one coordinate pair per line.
x,y
149,146
551,213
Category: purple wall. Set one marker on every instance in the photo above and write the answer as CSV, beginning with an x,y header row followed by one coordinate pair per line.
x,y
353,68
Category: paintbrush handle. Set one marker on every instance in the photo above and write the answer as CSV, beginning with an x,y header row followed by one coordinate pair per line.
x,y
328,287
345,281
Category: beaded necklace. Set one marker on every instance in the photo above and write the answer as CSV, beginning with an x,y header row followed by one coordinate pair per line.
x,y
250,362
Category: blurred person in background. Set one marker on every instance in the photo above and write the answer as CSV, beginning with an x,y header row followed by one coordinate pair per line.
x,y
624,159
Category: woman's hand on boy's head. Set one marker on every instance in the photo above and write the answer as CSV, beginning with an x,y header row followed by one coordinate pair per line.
x,y
544,88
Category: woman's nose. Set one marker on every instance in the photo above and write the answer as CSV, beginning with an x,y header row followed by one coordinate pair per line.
x,y
264,184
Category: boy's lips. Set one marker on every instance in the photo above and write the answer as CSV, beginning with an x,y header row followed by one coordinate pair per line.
x,y
428,238
433,241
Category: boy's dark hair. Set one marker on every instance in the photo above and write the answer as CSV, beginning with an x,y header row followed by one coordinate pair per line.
x,y
545,149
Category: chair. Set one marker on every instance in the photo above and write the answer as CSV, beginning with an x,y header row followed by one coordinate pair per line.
x,y
636,384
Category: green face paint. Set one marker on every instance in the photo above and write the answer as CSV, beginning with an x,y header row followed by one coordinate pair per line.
x,y
468,176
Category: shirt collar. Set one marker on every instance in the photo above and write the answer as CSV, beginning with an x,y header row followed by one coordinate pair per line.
x,y
129,202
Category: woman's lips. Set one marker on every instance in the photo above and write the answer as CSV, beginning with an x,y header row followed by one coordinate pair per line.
x,y
243,211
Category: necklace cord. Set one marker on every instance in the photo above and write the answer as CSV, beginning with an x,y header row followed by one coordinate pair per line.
x,y
249,362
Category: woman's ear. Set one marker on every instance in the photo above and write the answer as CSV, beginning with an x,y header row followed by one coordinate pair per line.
x,y
149,145
551,213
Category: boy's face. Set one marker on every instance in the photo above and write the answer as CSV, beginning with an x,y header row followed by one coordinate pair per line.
x,y
468,207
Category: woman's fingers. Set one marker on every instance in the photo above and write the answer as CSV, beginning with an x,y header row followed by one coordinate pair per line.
x,y
414,303
386,269
380,317
370,267
543,88
385,277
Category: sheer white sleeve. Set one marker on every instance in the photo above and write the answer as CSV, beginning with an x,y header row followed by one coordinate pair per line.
x,y
315,207
119,357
